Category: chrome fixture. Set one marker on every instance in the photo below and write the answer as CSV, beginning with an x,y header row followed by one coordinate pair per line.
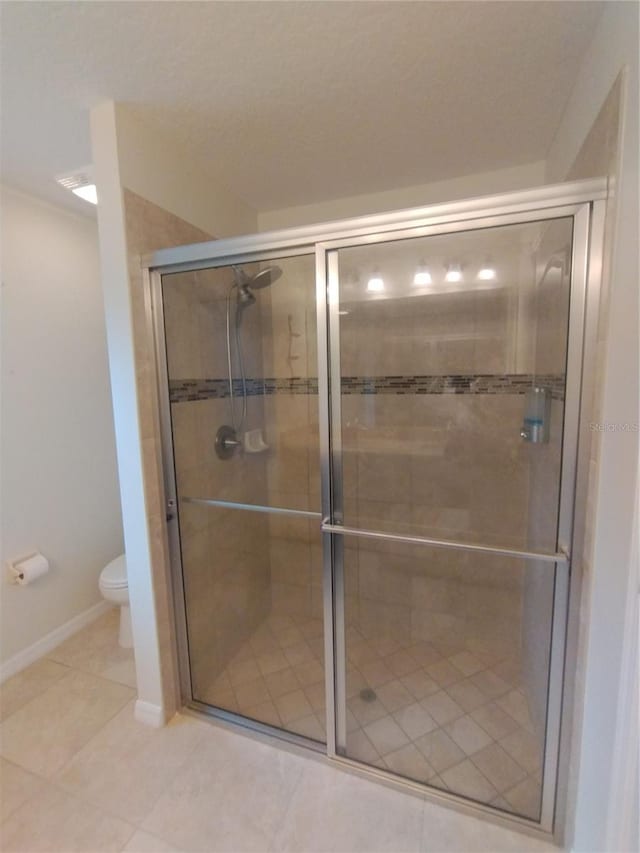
x,y
226,442
561,556
228,437
246,284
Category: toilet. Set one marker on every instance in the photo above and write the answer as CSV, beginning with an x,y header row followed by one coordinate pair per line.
x,y
115,588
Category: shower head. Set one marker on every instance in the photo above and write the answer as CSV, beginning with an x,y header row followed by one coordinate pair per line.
x,y
246,283
265,278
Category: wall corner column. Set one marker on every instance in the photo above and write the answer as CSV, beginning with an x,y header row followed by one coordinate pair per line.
x,y
151,706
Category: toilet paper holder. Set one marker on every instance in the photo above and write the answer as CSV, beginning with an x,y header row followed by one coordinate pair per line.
x,y
28,569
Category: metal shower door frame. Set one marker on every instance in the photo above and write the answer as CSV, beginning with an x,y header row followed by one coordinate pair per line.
x,y
584,202
586,221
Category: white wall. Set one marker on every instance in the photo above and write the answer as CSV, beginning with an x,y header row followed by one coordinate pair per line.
x,y
612,561
59,477
467,186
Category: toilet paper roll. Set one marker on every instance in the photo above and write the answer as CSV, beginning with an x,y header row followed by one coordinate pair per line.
x,y
29,570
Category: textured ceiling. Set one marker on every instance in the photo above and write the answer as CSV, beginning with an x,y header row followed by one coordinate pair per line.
x,y
294,102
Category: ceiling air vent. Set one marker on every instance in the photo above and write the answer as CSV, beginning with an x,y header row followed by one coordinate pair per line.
x,y
81,183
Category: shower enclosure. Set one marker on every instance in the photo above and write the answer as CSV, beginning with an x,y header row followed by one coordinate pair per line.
x,y
373,468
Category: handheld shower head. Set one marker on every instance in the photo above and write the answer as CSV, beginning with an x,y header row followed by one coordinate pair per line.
x,y
265,278
243,285
246,284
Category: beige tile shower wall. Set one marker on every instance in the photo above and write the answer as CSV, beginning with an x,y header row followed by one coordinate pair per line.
x,y
225,559
288,317
449,466
409,594
439,334
452,465
291,429
550,306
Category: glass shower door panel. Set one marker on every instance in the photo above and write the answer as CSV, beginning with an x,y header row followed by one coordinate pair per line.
x,y
452,365
442,342
447,666
253,594
246,462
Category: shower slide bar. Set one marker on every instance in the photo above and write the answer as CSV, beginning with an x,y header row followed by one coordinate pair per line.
x,y
562,557
274,510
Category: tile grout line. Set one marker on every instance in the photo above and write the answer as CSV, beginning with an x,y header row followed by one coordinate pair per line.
x,y
106,722
40,778
75,794
285,812
92,672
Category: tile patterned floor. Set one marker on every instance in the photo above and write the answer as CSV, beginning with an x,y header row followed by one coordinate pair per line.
x,y
277,677
78,773
443,713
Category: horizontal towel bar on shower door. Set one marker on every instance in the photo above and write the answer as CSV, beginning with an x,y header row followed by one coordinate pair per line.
x,y
560,557
275,510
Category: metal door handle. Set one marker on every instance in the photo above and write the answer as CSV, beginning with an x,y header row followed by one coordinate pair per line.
x,y
561,557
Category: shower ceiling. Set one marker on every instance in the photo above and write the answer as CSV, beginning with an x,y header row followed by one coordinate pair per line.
x,y
311,101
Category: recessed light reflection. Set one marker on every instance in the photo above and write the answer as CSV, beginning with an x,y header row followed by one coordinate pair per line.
x,y
422,277
487,273
454,273
375,284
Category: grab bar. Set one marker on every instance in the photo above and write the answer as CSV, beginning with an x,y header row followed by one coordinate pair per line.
x,y
561,557
275,510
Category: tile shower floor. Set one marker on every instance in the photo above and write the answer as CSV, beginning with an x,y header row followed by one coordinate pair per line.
x,y
442,713
79,773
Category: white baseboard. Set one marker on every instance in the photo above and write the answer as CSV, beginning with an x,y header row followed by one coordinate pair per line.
x,y
45,644
148,713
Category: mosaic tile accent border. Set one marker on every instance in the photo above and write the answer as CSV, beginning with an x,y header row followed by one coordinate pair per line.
x,y
182,390
516,383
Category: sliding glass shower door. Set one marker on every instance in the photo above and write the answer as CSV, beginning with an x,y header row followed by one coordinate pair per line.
x,y
449,357
371,434
241,364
